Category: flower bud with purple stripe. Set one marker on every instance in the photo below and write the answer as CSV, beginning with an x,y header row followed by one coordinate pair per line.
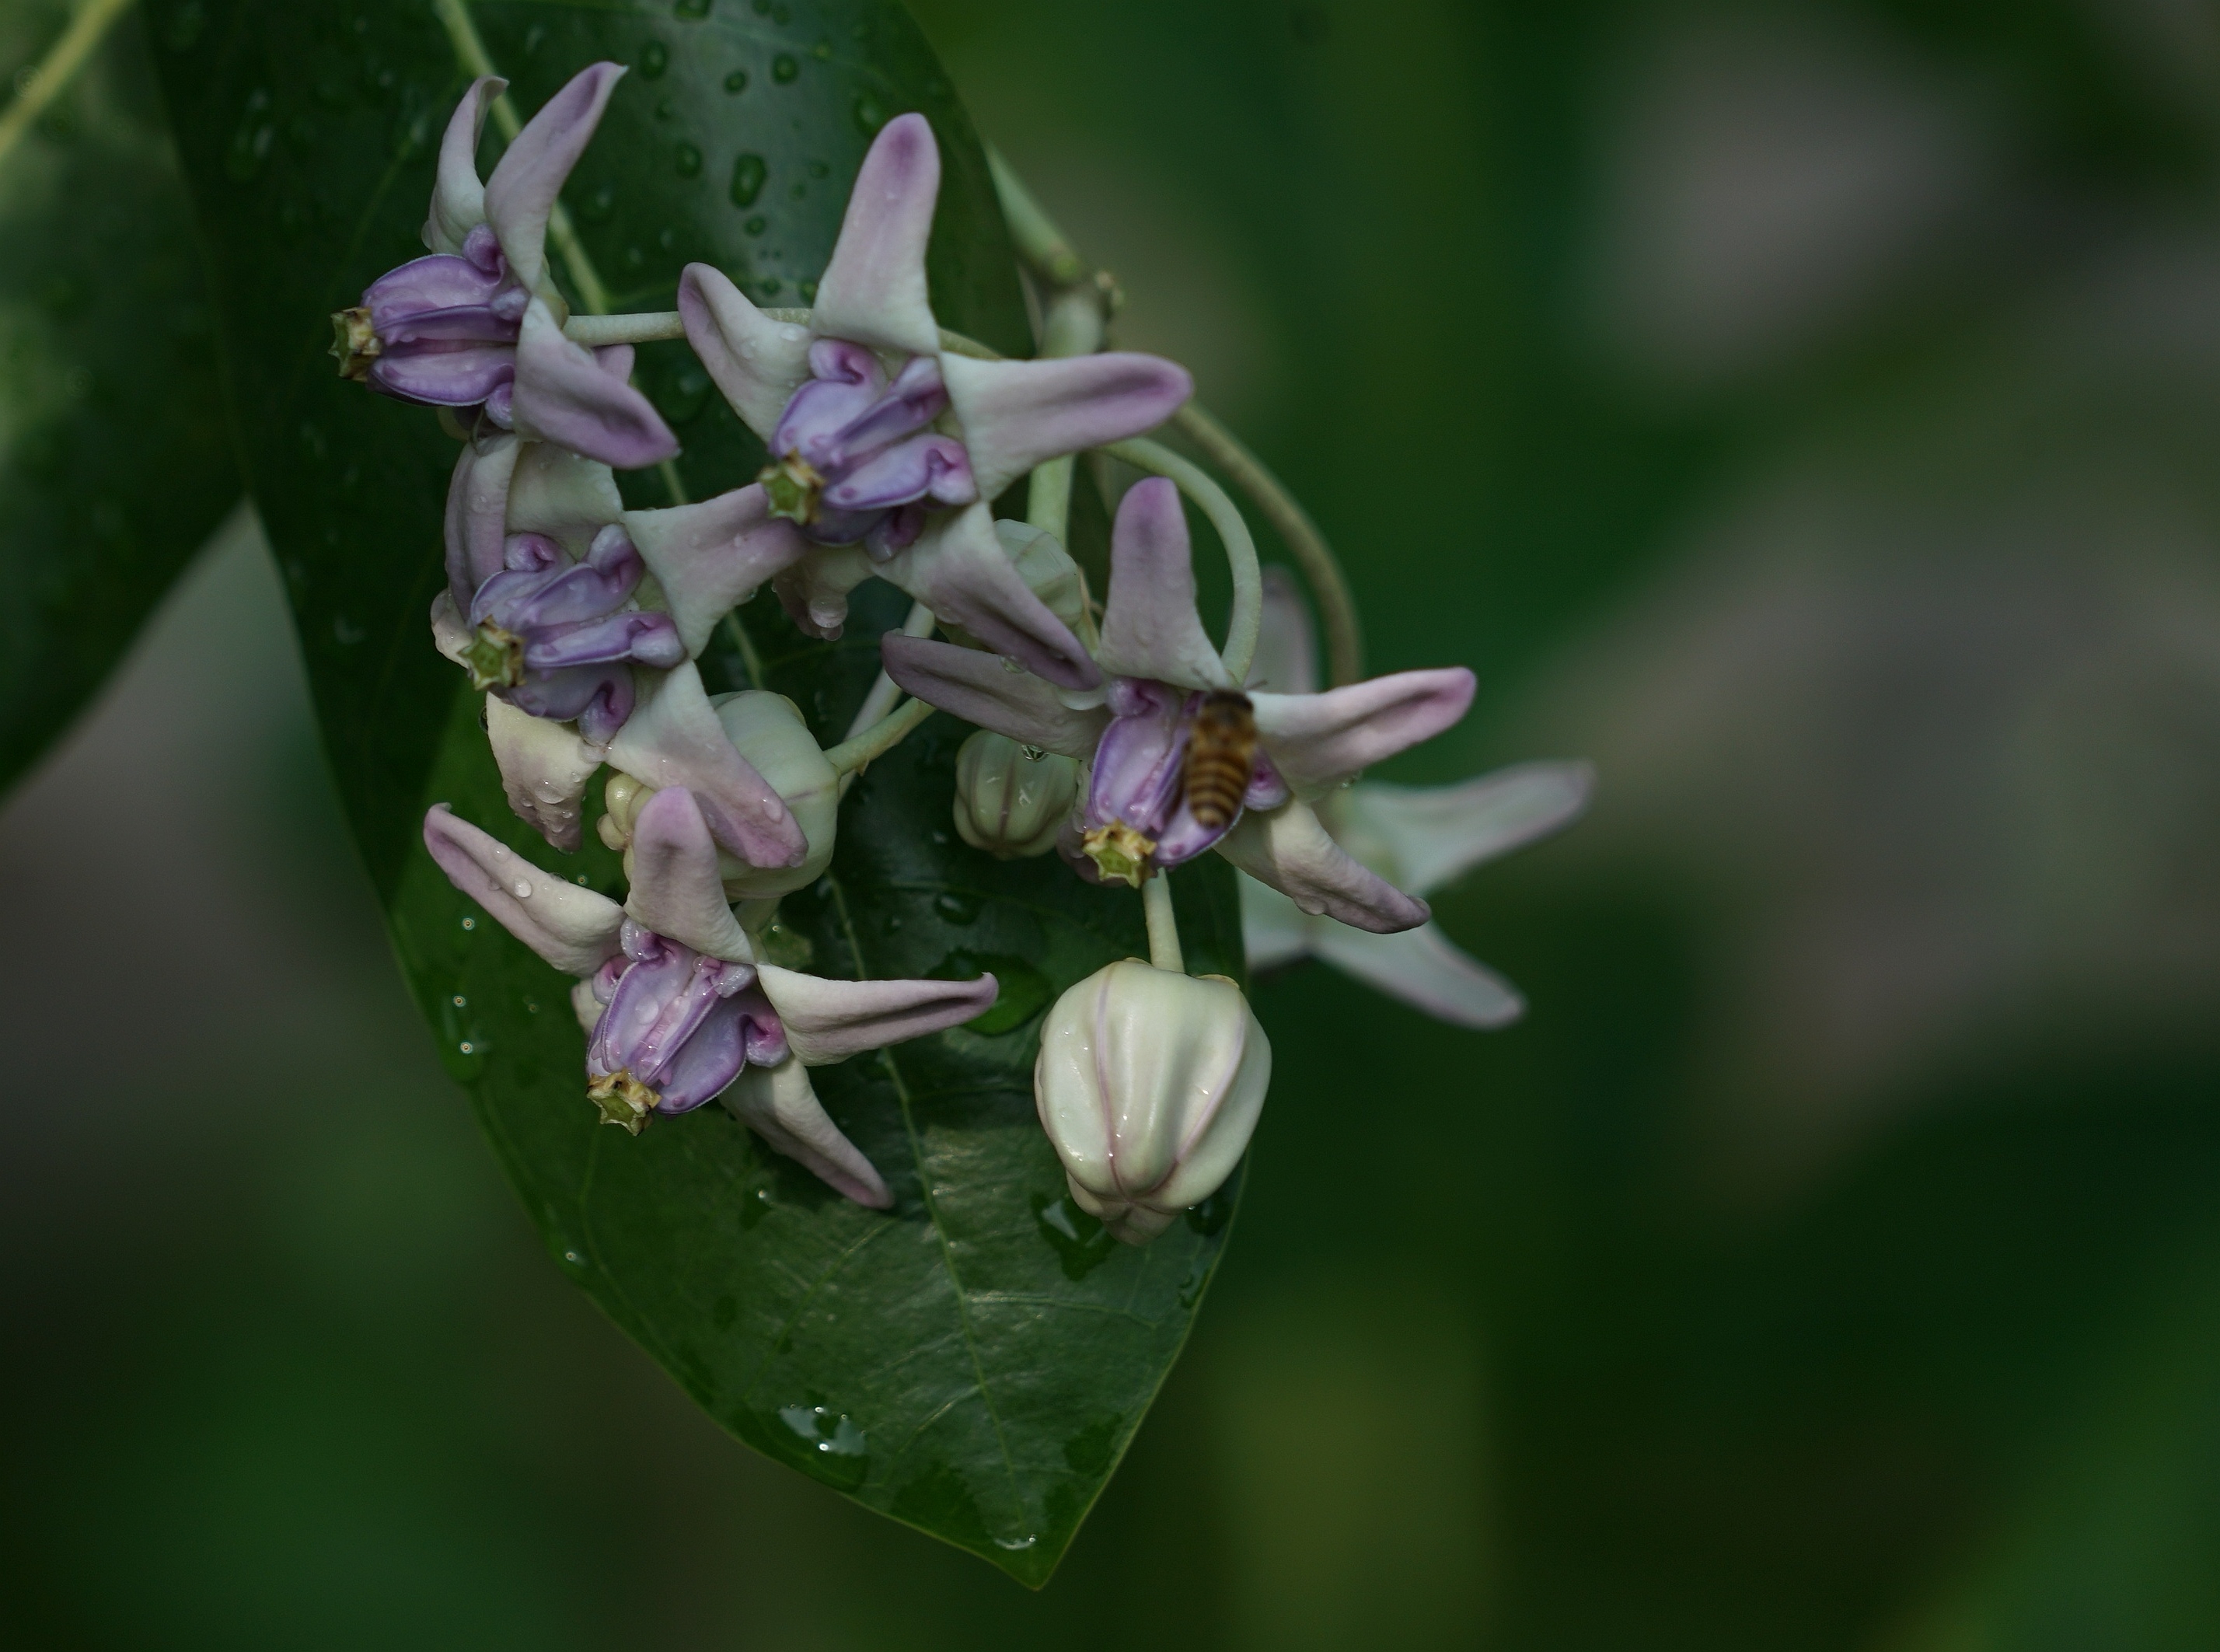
x,y
678,1028
556,638
854,456
1138,816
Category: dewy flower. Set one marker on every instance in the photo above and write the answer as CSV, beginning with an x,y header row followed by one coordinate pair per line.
x,y
1148,1082
680,1010
1418,836
1267,757
887,451
478,323
556,637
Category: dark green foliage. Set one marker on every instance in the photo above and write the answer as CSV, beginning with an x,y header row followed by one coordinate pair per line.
x,y
112,472
946,1363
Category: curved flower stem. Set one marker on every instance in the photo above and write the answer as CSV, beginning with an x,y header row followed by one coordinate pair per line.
x,y
645,326
1041,245
50,76
1164,928
1248,615
1344,638
1073,327
850,755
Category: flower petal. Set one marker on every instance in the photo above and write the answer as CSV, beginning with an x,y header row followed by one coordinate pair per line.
x,y
980,688
831,1020
1318,740
1016,413
873,289
477,511
544,770
573,929
1287,651
781,1105
711,558
1150,626
958,569
1430,833
521,191
1425,970
450,635
564,395
675,891
756,363
815,590
558,493
673,738
458,197
1288,849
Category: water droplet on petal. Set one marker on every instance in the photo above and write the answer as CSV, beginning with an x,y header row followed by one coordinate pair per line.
x,y
523,889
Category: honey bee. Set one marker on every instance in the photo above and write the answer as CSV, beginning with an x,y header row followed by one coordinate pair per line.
x,y
1220,756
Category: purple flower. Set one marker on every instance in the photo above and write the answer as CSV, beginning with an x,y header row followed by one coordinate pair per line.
x,y
883,442
477,323
556,638
1140,813
679,1009
678,1027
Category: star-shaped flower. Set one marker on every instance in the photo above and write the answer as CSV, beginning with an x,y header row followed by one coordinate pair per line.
x,y
478,323
680,1009
887,450
1140,814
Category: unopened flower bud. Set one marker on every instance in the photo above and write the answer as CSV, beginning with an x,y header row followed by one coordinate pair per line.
x,y
1150,1082
1012,800
768,730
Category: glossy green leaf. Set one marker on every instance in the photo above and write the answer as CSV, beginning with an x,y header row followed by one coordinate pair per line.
x,y
112,473
975,1362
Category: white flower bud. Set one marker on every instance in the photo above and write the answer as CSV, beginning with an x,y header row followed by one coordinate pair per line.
x,y
768,730
1150,1082
1010,799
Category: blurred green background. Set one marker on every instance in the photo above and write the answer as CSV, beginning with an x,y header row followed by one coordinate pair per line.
x,y
1806,411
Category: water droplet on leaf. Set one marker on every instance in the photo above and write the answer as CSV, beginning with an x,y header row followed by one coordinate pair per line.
x,y
749,173
783,68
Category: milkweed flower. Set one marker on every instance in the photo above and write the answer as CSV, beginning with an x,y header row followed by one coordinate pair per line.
x,y
1148,1082
679,1009
1136,817
886,450
477,323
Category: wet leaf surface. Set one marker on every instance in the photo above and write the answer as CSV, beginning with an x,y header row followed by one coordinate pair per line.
x,y
975,1362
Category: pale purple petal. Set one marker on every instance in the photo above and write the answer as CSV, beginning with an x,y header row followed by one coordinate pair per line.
x,y
1318,740
648,640
711,558
959,570
980,688
458,197
873,289
1431,834
1288,849
1149,625
1424,969
573,929
673,738
676,890
780,1105
922,467
913,401
521,191
477,507
737,1031
845,381
444,378
1139,762
539,586
1286,653
563,395
1016,413
407,298
598,698
757,363
831,1020
544,770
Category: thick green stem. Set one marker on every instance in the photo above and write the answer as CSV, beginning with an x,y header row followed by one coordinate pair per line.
x,y
1248,615
645,326
1164,928
850,755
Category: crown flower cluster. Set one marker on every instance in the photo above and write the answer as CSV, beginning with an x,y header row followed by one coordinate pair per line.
x,y
1120,737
